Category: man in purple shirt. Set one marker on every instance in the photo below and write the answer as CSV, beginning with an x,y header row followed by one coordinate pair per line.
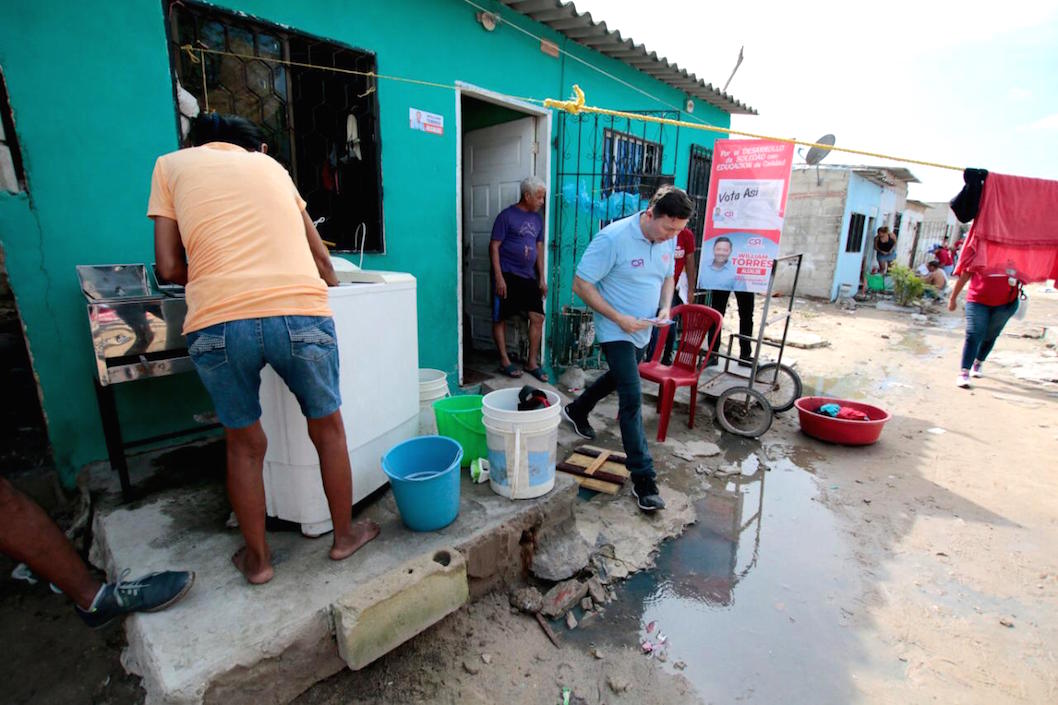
x,y
519,283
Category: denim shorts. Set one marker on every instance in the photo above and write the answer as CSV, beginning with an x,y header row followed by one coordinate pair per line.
x,y
303,350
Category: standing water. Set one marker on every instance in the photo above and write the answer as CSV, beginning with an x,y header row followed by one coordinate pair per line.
x,y
753,601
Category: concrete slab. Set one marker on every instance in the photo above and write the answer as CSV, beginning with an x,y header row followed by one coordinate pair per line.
x,y
228,642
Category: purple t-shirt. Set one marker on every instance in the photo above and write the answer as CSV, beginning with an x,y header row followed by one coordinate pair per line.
x,y
518,231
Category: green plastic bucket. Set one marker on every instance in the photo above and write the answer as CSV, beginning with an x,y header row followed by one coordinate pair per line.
x,y
876,282
459,418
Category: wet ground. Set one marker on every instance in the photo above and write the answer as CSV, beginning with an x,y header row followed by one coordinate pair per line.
x,y
765,565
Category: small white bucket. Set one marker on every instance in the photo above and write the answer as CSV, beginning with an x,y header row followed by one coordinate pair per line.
x,y
523,445
433,385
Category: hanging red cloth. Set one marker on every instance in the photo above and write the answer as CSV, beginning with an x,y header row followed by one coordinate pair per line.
x,y
1015,231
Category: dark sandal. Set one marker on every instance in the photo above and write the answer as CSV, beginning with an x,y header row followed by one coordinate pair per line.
x,y
511,371
539,374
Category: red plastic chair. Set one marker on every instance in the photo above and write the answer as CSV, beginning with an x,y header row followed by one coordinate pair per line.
x,y
688,364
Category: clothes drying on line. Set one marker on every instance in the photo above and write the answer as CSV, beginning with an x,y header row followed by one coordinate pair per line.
x,y
1014,231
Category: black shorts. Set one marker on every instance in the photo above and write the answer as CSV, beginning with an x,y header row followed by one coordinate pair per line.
x,y
523,296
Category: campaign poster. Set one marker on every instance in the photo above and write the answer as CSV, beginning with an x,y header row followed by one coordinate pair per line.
x,y
745,208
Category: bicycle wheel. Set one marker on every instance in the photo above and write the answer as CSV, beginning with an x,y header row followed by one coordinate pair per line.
x,y
780,390
744,411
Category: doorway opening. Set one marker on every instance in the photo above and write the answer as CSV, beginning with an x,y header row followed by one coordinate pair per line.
x,y
501,142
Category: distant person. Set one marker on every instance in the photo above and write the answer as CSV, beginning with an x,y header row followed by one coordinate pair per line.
x,y
625,276
884,248
990,302
230,224
685,262
519,283
943,256
29,536
935,278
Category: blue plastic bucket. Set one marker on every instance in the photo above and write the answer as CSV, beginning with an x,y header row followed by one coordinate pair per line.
x,y
424,475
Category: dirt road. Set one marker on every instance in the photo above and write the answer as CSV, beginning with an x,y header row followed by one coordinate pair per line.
x,y
918,570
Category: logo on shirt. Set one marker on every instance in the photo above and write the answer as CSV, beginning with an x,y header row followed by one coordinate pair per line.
x,y
665,259
637,262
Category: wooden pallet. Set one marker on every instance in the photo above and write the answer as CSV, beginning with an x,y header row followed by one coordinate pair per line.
x,y
597,469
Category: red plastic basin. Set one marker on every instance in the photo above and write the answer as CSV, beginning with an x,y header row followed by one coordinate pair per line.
x,y
843,431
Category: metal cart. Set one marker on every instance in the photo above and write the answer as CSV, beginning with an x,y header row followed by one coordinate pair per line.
x,y
747,400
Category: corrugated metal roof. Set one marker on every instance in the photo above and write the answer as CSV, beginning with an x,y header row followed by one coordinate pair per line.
x,y
563,17
884,175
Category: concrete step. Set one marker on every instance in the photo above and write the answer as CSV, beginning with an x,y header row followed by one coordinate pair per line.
x,y
229,642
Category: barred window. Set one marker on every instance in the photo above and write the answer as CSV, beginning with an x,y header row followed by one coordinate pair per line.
x,y
322,125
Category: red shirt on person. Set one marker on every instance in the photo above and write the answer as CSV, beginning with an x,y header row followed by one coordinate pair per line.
x,y
943,255
684,247
987,288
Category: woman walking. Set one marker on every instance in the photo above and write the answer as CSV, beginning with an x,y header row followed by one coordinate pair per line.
x,y
990,302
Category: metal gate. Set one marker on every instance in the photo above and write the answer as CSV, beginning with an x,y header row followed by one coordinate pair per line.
x,y
698,171
606,168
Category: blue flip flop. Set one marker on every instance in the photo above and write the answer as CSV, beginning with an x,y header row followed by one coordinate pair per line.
x,y
511,371
539,374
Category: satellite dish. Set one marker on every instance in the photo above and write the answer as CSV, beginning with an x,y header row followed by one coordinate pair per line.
x,y
818,154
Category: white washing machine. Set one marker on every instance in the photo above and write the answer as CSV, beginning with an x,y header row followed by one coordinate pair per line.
x,y
379,361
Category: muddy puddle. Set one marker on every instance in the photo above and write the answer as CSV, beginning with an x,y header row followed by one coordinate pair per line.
x,y
857,385
753,602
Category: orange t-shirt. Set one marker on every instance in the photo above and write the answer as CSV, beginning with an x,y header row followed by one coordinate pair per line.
x,y
240,222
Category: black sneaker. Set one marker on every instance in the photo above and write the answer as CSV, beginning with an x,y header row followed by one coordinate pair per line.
x,y
149,593
645,490
580,423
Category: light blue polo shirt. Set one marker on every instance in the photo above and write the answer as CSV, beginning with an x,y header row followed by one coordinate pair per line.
x,y
628,270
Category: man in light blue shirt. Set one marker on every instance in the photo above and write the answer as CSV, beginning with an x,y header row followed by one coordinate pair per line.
x,y
625,276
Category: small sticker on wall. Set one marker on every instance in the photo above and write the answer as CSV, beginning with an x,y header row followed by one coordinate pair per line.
x,y
426,122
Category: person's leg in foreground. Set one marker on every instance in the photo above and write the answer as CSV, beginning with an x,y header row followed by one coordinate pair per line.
x,y
246,448
978,317
328,436
28,535
997,320
536,334
623,359
304,352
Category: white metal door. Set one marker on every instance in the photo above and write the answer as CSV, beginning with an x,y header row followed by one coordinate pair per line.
x,y
495,160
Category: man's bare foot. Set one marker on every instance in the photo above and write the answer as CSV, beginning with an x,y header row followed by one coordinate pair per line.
x,y
359,533
256,572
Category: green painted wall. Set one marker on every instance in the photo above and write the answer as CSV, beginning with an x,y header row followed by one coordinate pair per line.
x,y
91,90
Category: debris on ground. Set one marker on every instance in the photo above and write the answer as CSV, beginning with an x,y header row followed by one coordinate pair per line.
x,y
548,631
597,591
562,597
1006,622
471,668
486,659
571,620
586,604
527,599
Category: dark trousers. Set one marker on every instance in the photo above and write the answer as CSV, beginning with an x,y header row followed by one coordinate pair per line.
x,y
983,325
744,299
623,358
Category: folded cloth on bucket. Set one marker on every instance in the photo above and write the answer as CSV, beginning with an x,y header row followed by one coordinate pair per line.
x,y
531,399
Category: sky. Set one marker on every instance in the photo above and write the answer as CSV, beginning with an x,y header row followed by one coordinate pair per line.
x,y
973,84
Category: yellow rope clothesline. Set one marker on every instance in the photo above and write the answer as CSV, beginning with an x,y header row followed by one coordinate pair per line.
x,y
576,105
201,51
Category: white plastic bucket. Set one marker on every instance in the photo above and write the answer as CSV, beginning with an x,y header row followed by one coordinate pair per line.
x,y
522,444
433,385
